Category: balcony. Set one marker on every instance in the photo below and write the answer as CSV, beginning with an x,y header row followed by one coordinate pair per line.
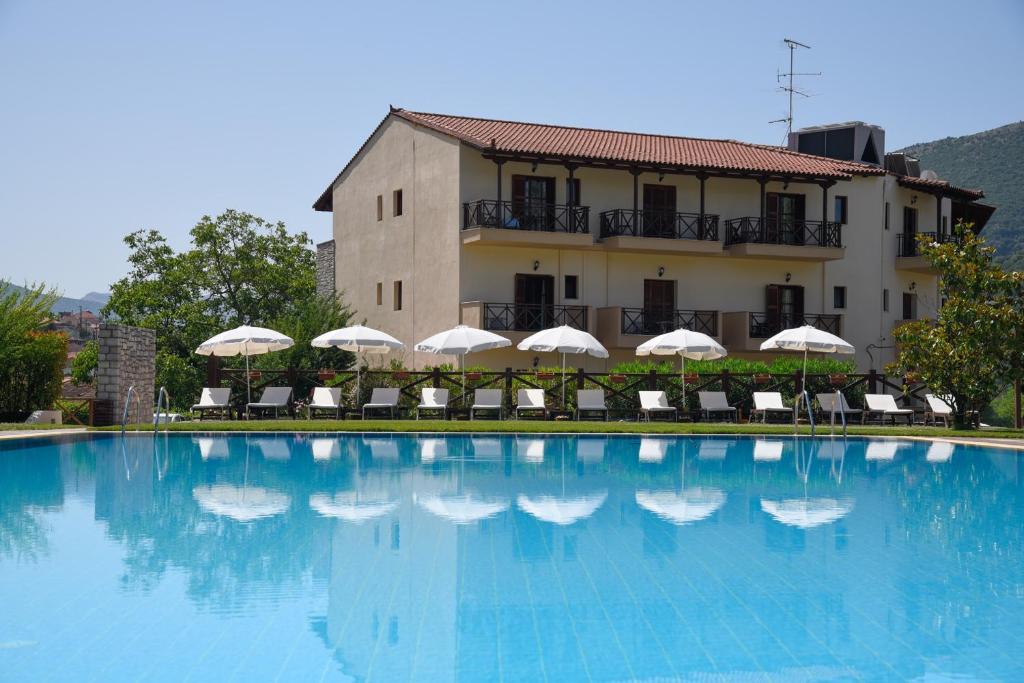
x,y
489,221
684,233
744,331
908,250
791,240
627,328
518,321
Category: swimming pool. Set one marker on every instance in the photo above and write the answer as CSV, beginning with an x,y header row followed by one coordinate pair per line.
x,y
480,558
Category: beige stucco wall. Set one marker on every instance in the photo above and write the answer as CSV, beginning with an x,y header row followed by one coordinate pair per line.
x,y
424,249
419,248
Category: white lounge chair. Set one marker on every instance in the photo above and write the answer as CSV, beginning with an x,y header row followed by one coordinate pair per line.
x,y
937,410
531,401
769,403
325,399
487,400
885,406
215,400
591,401
655,402
382,399
766,450
715,402
273,398
433,400
830,406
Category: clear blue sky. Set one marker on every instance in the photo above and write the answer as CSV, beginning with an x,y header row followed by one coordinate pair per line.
x,y
124,114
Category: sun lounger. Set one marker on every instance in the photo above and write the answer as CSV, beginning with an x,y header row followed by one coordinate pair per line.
x,y
273,398
884,405
591,401
768,403
937,410
531,401
214,400
715,402
382,399
433,400
325,399
655,402
830,406
487,400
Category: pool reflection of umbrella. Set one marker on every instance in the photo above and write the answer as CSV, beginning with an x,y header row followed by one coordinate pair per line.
x,y
240,503
689,505
562,510
349,507
807,513
462,509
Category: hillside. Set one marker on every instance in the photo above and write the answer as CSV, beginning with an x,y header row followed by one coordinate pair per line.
x,y
93,301
992,160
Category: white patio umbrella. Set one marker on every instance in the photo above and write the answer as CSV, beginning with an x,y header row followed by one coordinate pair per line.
x,y
462,509
564,340
459,341
807,338
358,339
240,503
245,341
349,507
688,344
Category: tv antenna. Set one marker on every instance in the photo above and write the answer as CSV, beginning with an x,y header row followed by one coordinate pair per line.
x,y
790,88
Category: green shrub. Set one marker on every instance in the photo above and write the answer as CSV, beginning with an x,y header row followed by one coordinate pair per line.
x,y
32,376
83,367
182,379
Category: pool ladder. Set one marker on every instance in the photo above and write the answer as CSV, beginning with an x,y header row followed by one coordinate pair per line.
x,y
132,393
161,395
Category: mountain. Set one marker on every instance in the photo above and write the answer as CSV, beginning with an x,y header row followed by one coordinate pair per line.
x,y
992,160
93,301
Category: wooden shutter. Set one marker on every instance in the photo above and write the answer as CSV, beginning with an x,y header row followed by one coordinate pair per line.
x,y
799,206
772,297
520,297
798,303
771,206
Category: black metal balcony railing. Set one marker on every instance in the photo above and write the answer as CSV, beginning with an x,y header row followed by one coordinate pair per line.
x,y
763,325
654,321
525,215
751,230
533,317
907,243
665,224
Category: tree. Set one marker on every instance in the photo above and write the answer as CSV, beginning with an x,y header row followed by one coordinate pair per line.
x,y
84,365
976,344
31,361
238,270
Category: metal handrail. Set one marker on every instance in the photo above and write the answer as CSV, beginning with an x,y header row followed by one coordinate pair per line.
x,y
127,403
159,402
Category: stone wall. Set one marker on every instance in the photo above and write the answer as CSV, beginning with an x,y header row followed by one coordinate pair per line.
x,y
127,356
325,269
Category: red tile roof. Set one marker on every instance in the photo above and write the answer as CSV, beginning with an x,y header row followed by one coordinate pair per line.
x,y
590,145
946,188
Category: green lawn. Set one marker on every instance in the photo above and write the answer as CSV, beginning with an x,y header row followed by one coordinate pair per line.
x,y
535,426
21,426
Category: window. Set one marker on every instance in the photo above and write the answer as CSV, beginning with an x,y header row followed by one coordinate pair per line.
x,y
840,212
909,220
396,202
398,295
887,215
885,300
380,207
909,306
571,287
380,293
839,297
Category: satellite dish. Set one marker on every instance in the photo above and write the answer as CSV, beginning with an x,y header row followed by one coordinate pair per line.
x,y
928,174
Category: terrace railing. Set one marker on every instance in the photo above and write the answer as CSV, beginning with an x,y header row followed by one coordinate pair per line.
x,y
907,242
763,325
653,321
525,215
793,232
664,224
533,317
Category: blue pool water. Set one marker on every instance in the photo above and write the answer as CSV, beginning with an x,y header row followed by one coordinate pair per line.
x,y
486,558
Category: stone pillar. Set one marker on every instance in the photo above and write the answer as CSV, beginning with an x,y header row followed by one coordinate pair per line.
x,y
325,269
127,357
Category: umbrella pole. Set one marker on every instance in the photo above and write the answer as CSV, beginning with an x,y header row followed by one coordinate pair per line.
x,y
563,380
248,389
803,393
682,377
359,377
463,380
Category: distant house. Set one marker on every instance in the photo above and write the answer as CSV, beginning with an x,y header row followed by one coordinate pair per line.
x,y
512,226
